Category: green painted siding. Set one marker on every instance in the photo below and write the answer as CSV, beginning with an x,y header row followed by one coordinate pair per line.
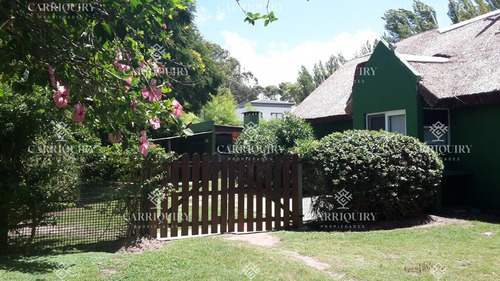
x,y
478,126
386,83
321,130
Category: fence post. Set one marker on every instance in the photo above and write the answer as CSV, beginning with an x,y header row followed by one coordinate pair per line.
x,y
241,195
278,191
196,190
258,192
286,191
185,195
214,221
269,193
204,196
231,200
224,191
297,192
175,198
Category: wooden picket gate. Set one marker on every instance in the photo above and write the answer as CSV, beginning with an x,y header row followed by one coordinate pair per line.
x,y
225,194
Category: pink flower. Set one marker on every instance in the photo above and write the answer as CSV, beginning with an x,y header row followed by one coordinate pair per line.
x,y
121,67
144,144
164,26
134,104
115,137
153,93
52,78
61,96
129,82
177,108
155,122
79,115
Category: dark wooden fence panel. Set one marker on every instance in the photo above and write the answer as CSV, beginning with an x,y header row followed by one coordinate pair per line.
x,y
237,194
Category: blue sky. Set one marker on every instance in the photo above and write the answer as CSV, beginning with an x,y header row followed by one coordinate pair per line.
x,y
306,31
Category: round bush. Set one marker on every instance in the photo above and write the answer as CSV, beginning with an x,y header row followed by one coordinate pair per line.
x,y
275,136
390,174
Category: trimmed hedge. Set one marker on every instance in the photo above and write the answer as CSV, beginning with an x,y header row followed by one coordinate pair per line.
x,y
390,174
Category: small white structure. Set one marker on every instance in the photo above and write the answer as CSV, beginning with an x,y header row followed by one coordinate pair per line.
x,y
269,109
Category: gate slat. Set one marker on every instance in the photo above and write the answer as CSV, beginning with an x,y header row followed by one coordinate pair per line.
x,y
297,191
196,190
164,202
269,193
214,221
185,195
223,190
277,192
250,192
286,191
175,198
164,217
231,191
241,195
153,222
258,192
204,197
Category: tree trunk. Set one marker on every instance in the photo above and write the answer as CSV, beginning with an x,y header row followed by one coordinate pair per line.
x,y
4,228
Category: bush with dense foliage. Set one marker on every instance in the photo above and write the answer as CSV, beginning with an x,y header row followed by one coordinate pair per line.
x,y
390,174
275,136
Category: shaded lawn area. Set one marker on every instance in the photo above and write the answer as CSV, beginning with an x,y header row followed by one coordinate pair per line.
x,y
467,251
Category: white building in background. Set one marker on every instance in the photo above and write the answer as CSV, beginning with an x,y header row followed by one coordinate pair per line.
x,y
269,109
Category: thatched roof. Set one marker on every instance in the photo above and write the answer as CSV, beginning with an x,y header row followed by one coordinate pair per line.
x,y
459,64
330,98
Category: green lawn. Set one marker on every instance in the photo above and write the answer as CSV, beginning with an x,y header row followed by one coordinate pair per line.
x,y
467,251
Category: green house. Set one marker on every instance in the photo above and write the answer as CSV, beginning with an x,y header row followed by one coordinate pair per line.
x,y
441,86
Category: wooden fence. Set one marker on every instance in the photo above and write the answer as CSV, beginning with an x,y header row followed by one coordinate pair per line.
x,y
221,194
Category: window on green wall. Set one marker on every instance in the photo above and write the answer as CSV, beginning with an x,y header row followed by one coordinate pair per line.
x,y
391,121
436,126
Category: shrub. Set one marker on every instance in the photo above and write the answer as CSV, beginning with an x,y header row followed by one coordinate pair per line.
x,y
390,174
275,136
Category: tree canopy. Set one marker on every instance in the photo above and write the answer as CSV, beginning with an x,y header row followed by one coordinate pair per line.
x,y
402,23
120,66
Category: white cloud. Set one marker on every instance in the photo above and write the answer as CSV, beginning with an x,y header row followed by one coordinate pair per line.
x,y
202,15
221,15
276,66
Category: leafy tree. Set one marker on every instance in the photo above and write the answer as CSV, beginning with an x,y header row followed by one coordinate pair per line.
x,y
367,48
241,83
461,10
401,23
41,156
290,91
272,92
275,136
221,109
190,118
305,81
114,67
91,61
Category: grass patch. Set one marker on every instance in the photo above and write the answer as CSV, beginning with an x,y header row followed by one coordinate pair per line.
x,y
468,251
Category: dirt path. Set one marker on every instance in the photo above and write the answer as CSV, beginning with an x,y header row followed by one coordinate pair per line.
x,y
267,240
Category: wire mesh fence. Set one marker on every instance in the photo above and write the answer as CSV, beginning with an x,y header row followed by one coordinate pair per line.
x,y
97,216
